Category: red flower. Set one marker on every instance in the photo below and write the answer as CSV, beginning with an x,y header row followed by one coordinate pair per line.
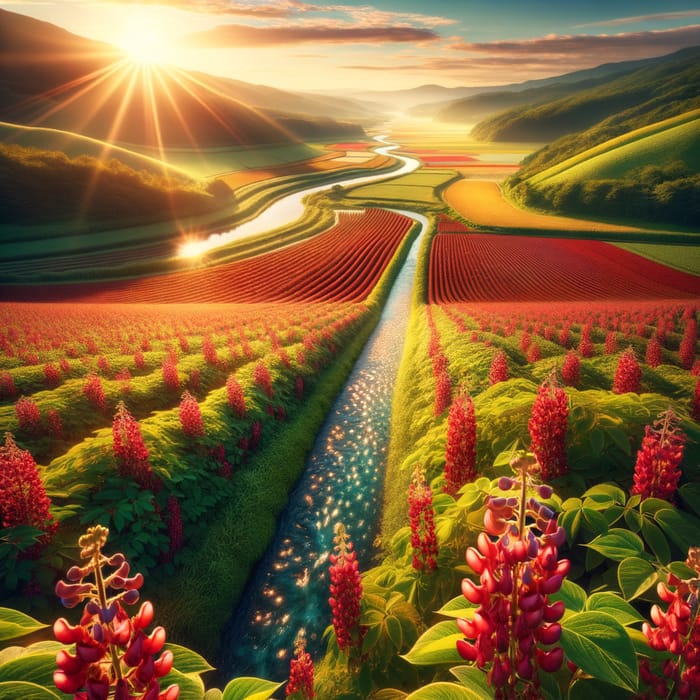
x,y
653,352
170,375
94,392
611,343
677,631
301,672
28,416
571,369
460,450
23,499
114,656
499,368
628,374
515,629
346,593
54,424
695,407
191,416
7,385
52,375
209,351
262,378
443,392
657,471
686,352
534,353
422,518
547,427
130,451
236,399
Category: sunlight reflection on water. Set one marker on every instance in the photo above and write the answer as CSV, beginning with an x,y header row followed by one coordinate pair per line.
x,y
342,482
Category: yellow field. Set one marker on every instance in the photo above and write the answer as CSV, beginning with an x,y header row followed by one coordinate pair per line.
x,y
483,204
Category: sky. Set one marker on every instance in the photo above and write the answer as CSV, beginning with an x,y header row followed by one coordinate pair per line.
x,y
360,45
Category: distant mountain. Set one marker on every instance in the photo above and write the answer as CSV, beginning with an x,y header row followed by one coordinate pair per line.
x,y
482,103
663,87
52,78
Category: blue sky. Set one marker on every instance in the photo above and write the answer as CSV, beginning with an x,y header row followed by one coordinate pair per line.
x,y
381,44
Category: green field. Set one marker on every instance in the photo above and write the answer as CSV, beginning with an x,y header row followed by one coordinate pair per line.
x,y
419,187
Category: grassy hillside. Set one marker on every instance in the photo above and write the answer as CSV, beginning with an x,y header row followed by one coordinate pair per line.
x,y
41,186
668,141
651,174
666,88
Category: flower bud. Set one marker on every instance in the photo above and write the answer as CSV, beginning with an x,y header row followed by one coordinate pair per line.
x,y
551,659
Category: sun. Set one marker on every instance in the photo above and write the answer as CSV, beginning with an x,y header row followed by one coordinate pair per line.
x,y
144,42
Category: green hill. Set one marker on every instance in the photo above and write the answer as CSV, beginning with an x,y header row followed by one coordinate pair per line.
x,y
669,141
668,87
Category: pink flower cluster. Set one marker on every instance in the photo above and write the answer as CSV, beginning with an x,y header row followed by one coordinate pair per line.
x,y
657,470
235,396
301,673
515,628
422,519
261,375
94,392
499,368
628,374
191,416
571,369
28,416
114,656
130,451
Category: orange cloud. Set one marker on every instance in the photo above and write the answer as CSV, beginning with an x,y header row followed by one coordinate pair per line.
x,y
245,36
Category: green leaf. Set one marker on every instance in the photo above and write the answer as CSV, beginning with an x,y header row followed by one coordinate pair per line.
x,y
620,438
635,576
448,691
394,631
656,540
389,694
191,685
15,624
12,690
610,603
473,677
651,505
187,661
681,528
570,520
598,644
248,688
609,491
572,594
596,521
31,667
213,694
618,544
591,689
458,607
438,645
690,495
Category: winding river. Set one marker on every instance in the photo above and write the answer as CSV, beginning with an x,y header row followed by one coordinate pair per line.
x,y
290,208
342,482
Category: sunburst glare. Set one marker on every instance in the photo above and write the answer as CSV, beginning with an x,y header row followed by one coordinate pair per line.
x,y
144,42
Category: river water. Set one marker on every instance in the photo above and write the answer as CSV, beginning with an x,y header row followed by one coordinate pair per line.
x,y
290,208
342,482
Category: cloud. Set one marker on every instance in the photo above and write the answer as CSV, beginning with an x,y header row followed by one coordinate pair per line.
x,y
245,36
590,48
655,17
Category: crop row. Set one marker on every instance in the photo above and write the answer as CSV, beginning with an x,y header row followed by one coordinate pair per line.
x,y
341,264
490,267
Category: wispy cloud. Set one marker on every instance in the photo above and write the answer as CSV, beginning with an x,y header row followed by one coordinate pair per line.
x,y
245,36
637,19
590,48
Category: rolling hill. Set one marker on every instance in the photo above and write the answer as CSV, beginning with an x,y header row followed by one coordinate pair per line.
x,y
667,86
52,78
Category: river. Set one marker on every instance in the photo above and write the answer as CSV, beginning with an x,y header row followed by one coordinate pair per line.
x,y
342,482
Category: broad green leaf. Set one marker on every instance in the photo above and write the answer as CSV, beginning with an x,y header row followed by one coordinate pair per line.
x,y
14,690
474,678
598,644
438,645
187,661
635,576
191,685
34,668
690,494
652,505
656,540
16,624
389,694
612,604
608,491
591,689
458,607
681,528
448,691
570,520
213,694
618,544
572,594
620,438
394,631
248,688
595,520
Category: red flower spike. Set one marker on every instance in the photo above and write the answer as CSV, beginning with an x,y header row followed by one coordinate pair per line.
x,y
460,449
547,427
113,653
657,469
191,416
517,573
422,521
301,672
130,451
628,374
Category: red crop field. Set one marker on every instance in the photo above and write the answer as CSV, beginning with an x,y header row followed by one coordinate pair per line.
x,y
342,263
